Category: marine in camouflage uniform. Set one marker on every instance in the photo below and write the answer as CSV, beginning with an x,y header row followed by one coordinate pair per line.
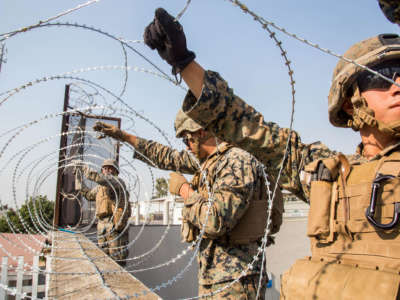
x,y
354,215
236,179
112,209
348,239
391,9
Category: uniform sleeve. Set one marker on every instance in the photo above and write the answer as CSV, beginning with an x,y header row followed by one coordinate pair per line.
x,y
105,180
391,10
232,190
230,118
164,157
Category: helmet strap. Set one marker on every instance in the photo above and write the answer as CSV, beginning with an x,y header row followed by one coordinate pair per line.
x,y
363,115
196,144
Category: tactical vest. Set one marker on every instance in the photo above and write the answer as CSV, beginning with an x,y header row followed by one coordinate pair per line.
x,y
106,206
103,202
252,224
122,212
351,257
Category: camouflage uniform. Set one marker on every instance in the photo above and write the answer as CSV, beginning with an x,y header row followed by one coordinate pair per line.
x,y
233,175
391,9
112,237
231,119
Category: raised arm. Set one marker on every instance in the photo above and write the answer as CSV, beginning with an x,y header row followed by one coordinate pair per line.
x,y
212,104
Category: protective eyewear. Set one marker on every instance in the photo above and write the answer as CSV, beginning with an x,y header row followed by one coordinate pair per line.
x,y
186,139
368,81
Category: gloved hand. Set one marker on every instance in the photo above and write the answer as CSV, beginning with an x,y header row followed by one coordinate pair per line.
x,y
189,232
176,180
108,130
167,36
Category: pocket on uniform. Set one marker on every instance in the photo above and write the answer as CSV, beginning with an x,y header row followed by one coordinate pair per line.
x,y
319,213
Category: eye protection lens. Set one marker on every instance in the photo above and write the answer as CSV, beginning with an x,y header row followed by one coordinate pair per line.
x,y
368,81
186,139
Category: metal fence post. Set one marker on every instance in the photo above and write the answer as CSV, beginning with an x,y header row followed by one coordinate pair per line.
x,y
20,277
35,276
48,269
137,219
166,212
4,278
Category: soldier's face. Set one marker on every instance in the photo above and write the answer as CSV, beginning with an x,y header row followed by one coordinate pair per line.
x,y
108,170
193,144
384,102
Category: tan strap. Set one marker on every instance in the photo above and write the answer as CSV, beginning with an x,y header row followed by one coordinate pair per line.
x,y
344,171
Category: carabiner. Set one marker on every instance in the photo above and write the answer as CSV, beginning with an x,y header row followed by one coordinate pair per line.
x,y
370,212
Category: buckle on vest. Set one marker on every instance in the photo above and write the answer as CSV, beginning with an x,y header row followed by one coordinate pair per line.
x,y
370,212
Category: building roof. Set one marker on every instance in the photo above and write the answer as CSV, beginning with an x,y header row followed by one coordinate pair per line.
x,y
26,245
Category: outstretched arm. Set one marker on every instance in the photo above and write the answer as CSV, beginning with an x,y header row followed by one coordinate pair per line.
x,y
152,153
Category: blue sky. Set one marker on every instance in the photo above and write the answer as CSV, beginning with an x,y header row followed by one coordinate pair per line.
x,y
223,38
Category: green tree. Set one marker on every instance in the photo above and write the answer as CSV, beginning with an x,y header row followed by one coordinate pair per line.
x,y
30,213
161,187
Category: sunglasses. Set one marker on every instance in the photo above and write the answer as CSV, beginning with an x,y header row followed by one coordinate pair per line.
x,y
186,139
368,81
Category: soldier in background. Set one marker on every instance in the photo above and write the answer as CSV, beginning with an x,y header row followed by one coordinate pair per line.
x,y
237,218
112,208
391,9
353,222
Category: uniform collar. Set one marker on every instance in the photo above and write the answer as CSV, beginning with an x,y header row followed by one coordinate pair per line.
x,y
221,148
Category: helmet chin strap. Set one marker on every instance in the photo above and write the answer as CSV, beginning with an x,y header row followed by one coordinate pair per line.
x,y
363,115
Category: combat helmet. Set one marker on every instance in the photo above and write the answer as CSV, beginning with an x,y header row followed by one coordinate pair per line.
x,y
370,52
184,123
112,163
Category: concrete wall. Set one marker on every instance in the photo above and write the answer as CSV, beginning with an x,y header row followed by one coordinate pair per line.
x,y
291,244
186,286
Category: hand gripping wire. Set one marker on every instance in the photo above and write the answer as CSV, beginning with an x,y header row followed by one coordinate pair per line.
x,y
370,212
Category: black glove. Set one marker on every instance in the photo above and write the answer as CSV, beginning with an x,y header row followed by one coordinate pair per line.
x,y
167,36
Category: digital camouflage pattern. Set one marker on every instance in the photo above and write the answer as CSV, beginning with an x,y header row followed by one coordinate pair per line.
x,y
233,175
184,123
244,289
164,157
109,227
227,116
369,52
231,119
391,9
112,242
